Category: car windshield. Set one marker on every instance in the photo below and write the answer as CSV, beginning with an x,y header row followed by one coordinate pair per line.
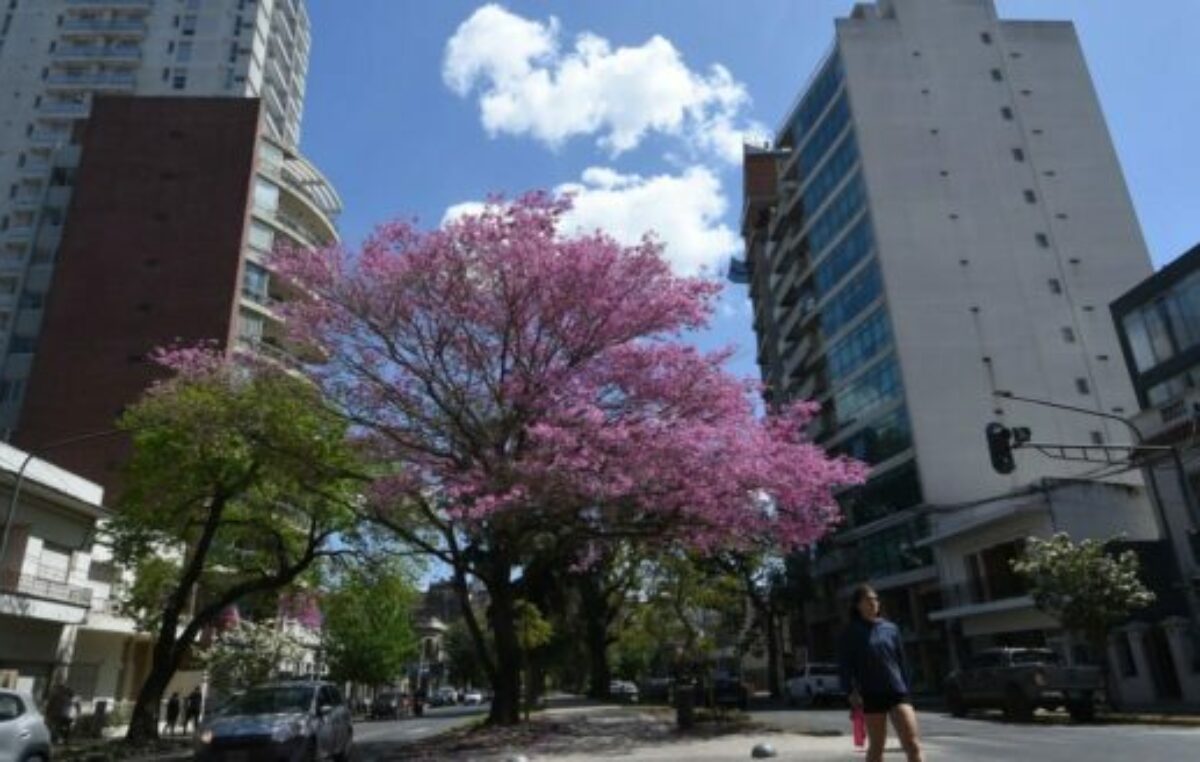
x,y
280,700
1034,657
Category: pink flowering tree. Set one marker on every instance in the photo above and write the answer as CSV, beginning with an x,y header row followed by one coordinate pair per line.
x,y
523,391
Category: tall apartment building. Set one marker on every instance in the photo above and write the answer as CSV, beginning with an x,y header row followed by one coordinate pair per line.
x,y
56,57
941,217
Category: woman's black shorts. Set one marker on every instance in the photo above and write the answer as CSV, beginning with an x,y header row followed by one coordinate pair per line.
x,y
882,703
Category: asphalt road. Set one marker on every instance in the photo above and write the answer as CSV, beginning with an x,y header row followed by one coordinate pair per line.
x,y
988,738
374,739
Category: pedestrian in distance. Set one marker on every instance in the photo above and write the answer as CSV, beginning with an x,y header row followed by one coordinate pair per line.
x,y
191,715
60,707
172,712
874,673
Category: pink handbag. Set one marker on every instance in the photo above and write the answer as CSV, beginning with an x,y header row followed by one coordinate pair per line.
x,y
858,722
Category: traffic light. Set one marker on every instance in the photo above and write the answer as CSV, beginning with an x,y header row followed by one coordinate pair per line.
x,y
999,442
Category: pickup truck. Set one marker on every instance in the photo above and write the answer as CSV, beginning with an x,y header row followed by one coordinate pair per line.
x,y
814,683
1019,681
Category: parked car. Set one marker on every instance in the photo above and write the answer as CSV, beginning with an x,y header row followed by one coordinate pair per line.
x,y
284,721
817,682
444,696
391,705
472,698
1019,681
727,690
24,735
623,690
655,690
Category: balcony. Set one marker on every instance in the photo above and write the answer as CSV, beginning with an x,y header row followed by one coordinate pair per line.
x,y
92,80
269,351
111,27
76,109
87,53
49,137
42,586
264,302
965,599
113,4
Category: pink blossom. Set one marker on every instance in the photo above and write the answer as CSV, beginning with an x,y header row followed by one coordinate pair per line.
x,y
519,373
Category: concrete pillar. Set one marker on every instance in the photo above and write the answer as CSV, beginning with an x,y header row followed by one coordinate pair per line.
x,y
1137,689
1182,646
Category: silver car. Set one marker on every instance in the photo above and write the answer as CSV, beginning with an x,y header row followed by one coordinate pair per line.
x,y
24,736
288,722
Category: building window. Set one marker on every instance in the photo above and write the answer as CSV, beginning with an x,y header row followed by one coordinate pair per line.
x,y
985,38
1097,437
183,53
997,76
1006,112
261,237
1018,154
1055,286
1068,335
266,195
1082,386
179,80
1042,239
1030,196
188,28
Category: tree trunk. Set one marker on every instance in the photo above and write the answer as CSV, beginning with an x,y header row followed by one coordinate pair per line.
x,y
143,723
596,618
506,686
774,657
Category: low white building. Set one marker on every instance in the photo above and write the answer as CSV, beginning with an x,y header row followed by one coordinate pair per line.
x,y
45,595
983,602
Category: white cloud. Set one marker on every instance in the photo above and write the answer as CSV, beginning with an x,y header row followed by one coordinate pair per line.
x,y
683,211
528,85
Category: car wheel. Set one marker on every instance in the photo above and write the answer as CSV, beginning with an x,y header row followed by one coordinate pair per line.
x,y
955,703
1017,707
1082,710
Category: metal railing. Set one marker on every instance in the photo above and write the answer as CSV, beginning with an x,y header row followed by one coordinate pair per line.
x,y
93,80
104,25
112,3
39,587
90,52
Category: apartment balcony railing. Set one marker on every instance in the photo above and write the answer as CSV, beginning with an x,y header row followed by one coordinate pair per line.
x,y
36,586
95,53
80,25
962,594
260,298
270,351
65,108
111,3
49,137
94,80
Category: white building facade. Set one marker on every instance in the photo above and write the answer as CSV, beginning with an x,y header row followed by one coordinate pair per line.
x,y
56,56
941,218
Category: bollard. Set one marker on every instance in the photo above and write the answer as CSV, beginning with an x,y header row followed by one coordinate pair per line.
x,y
763,751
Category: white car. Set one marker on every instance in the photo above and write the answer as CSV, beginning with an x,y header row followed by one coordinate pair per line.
x,y
472,698
23,732
623,690
816,682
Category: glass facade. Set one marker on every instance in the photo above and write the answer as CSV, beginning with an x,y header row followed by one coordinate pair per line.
x,y
830,128
877,386
848,252
880,439
832,172
860,345
816,99
851,299
1158,333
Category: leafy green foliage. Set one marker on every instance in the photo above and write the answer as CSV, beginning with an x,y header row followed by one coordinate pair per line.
x,y
1085,588
368,634
466,666
248,653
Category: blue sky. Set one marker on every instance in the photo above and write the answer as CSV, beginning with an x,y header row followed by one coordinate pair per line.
x,y
635,105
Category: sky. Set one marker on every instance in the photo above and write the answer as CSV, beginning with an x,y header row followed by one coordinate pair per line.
x,y
419,108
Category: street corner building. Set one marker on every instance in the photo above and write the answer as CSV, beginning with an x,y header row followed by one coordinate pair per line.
x,y
938,227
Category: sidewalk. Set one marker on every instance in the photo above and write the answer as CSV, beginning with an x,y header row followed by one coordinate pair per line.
x,y
600,732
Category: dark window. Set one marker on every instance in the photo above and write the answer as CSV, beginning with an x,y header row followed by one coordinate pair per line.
x,y
1006,112
1068,334
1030,196
1018,154
1097,437
1055,286
1042,239
997,75
11,707
1081,384
986,38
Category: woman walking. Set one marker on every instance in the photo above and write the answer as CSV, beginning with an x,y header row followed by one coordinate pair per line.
x,y
875,676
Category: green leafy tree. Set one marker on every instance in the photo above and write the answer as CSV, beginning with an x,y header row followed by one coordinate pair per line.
x,y
239,477
368,632
1087,589
462,655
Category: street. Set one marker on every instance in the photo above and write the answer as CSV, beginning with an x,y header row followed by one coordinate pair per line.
x,y
374,739
985,737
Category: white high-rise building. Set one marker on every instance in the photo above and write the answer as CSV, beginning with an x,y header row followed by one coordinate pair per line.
x,y
56,56
942,218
